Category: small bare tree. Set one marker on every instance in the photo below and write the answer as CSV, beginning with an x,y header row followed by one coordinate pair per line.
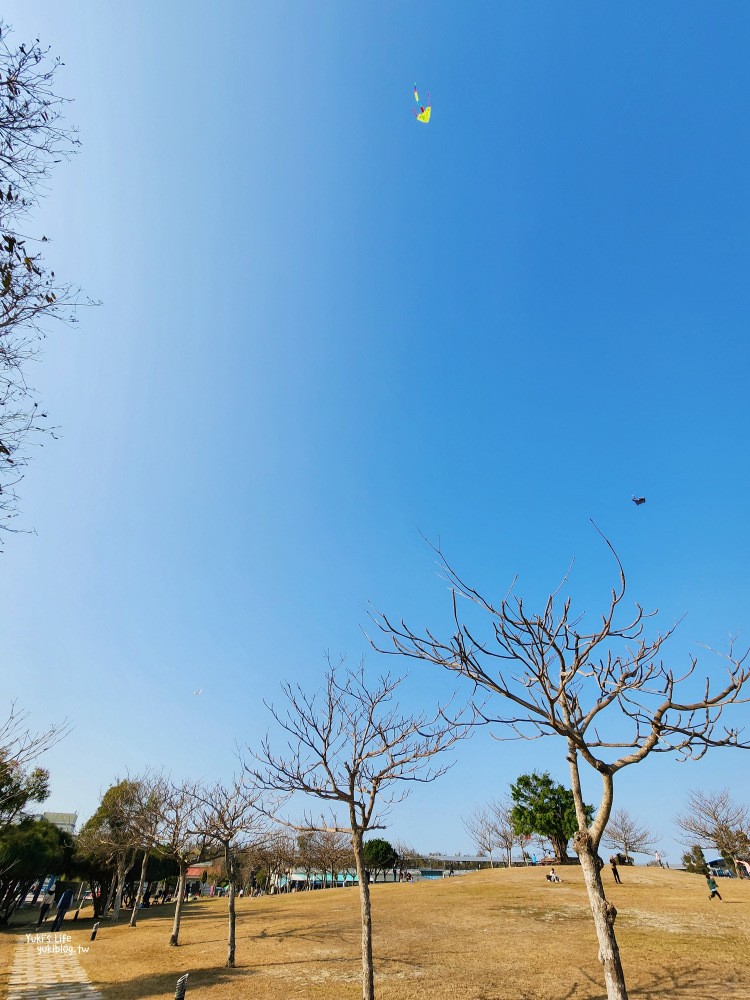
x,y
502,824
333,853
583,685
624,831
181,839
717,819
230,815
480,826
150,796
352,747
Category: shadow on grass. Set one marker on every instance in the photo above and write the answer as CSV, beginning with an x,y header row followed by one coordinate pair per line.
x,y
163,984
692,982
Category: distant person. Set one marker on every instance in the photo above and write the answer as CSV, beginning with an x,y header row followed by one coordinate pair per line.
x,y
615,872
553,876
450,871
657,859
47,900
713,889
62,908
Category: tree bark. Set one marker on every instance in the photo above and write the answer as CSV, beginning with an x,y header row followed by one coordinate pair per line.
x,y
110,896
139,893
231,941
368,978
118,894
604,915
175,938
586,847
561,849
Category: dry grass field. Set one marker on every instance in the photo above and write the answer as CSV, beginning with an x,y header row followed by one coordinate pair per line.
x,y
495,935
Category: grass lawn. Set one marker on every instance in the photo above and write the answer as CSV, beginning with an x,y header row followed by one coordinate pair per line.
x,y
494,935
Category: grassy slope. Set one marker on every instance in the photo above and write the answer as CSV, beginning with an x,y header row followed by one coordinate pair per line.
x,y
491,936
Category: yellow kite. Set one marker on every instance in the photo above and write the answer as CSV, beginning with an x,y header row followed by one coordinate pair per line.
x,y
424,112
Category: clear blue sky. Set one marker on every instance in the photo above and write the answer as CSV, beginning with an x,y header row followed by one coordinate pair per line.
x,y
327,327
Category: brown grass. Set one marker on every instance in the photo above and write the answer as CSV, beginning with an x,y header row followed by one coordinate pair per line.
x,y
495,935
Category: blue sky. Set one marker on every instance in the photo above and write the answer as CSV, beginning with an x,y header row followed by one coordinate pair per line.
x,y
327,328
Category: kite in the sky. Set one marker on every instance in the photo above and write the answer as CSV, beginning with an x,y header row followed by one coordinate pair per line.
x,y
638,500
424,112
199,691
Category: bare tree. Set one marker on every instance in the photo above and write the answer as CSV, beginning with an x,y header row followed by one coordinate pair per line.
x,y
604,689
407,854
502,824
352,747
181,839
19,744
332,853
624,831
146,819
279,856
33,138
230,816
717,819
480,826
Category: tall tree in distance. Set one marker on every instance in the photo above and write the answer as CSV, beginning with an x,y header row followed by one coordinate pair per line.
x,y
379,856
602,687
626,833
351,746
480,826
33,138
229,815
181,839
544,807
719,820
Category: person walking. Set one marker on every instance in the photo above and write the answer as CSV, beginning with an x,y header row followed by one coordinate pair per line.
x,y
62,908
613,862
47,900
713,889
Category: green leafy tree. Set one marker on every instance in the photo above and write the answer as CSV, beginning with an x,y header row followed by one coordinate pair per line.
x,y
18,787
543,807
694,861
29,850
379,856
111,838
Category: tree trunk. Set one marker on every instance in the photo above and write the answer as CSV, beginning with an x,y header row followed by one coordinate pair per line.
x,y
560,847
604,918
368,978
118,895
139,893
174,939
586,847
232,911
110,896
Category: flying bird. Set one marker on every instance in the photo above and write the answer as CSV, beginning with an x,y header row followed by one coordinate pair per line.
x,y
199,691
638,500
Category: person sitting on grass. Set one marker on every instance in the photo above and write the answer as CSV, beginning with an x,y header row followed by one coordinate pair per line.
x,y
553,876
